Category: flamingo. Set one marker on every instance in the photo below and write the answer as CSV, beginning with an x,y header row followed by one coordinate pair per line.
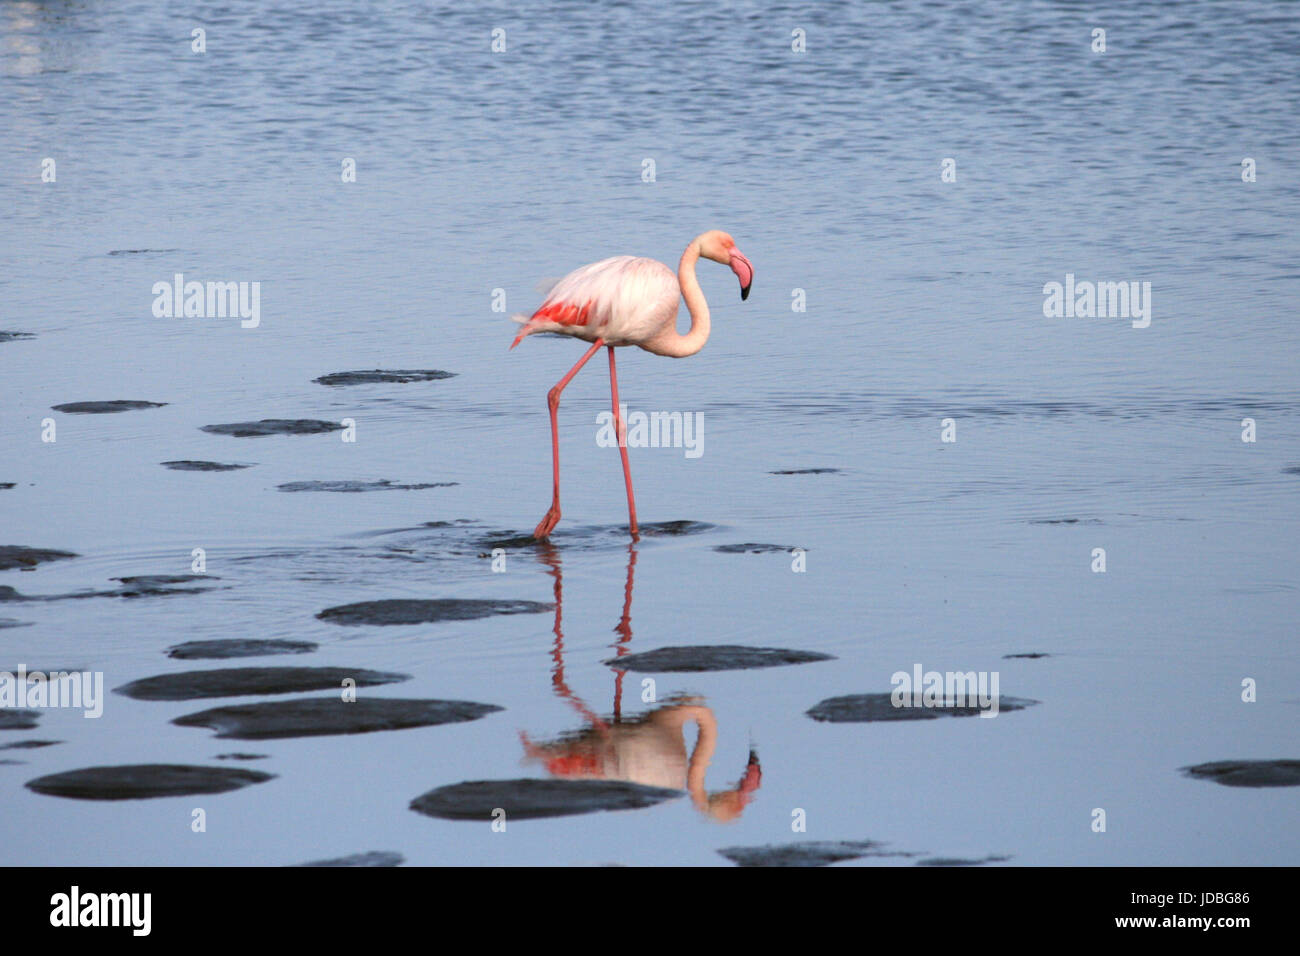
x,y
628,300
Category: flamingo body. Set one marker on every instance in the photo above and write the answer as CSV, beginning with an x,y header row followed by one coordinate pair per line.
x,y
624,300
627,300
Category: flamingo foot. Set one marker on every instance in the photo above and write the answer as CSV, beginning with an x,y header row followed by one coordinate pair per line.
x,y
548,523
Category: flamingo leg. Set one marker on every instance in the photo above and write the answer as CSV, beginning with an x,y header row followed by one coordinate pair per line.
x,y
552,518
621,430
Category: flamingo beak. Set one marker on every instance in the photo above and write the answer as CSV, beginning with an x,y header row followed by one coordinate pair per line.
x,y
744,271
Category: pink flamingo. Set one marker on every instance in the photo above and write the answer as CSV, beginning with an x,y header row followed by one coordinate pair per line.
x,y
628,300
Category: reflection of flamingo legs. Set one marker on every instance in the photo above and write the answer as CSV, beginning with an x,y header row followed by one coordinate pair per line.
x,y
649,749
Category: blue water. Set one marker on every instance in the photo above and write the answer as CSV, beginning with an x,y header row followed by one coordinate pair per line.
x,y
480,171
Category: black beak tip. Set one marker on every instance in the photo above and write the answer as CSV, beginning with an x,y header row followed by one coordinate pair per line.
x,y
744,293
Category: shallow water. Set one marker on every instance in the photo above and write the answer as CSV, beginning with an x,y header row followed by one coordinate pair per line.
x,y
479,171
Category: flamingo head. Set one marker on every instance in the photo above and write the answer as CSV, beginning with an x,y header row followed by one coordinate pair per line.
x,y
720,247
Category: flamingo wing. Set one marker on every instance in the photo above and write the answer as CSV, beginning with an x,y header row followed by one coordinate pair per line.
x,y
615,299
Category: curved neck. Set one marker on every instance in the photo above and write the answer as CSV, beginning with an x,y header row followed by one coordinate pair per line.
x,y
702,754
669,342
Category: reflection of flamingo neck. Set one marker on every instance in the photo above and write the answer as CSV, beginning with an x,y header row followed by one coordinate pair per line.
x,y
702,755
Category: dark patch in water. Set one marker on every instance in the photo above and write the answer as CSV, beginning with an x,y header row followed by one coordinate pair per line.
x,y
751,548
19,556
6,485
657,529
807,471
809,853
29,744
13,622
412,611
141,781
721,657
399,375
1248,773
318,716
138,252
355,486
146,585
13,763
529,798
15,336
1065,521
241,756
237,647
240,681
274,426
866,708
11,719
1028,655
104,408
373,858
1292,470
187,465
956,861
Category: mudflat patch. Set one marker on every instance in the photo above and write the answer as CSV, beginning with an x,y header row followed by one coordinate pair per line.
x,y
11,719
806,471
274,426
190,465
143,585
104,408
1248,773
143,781
15,336
959,861
19,556
241,681
373,858
412,611
809,853
29,744
400,376
237,647
359,486
325,716
530,798
721,657
869,708
752,548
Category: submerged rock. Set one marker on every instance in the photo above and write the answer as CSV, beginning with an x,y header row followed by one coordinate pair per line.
x,y
751,548
808,853
237,647
241,681
867,708
20,556
12,719
1248,773
29,744
957,861
399,375
530,798
373,858
141,781
274,426
320,716
414,611
721,657
144,585
187,465
358,486
104,408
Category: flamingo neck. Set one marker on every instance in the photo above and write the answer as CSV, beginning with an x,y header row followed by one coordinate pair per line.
x,y
670,342
702,754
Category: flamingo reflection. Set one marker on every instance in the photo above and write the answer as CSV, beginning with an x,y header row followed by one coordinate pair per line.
x,y
648,749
